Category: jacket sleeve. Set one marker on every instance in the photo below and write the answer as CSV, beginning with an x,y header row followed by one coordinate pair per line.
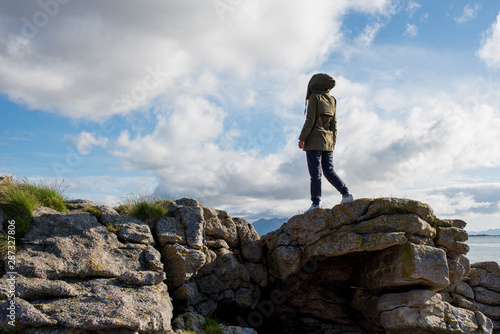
x,y
333,123
310,118
334,128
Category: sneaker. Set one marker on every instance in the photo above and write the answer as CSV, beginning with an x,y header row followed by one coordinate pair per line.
x,y
347,198
314,206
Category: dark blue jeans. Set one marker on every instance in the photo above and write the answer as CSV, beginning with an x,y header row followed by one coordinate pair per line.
x,y
316,162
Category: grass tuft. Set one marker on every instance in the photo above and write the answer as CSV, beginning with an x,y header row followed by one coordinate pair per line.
x,y
18,200
113,228
93,211
211,326
148,208
4,246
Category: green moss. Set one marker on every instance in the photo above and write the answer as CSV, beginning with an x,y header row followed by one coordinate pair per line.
x,y
399,208
211,326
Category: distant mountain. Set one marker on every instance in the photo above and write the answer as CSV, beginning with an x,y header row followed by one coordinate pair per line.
x,y
264,226
495,231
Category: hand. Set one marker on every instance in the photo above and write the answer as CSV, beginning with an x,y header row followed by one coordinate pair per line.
x,y
333,149
301,144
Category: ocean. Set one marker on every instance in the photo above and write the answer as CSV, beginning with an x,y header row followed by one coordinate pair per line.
x,y
484,248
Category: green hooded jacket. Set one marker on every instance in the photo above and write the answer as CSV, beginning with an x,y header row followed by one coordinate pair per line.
x,y
320,128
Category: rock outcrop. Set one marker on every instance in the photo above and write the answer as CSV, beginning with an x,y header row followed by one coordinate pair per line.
x,y
74,275
480,291
370,266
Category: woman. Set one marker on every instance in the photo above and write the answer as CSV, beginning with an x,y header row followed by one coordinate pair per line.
x,y
319,135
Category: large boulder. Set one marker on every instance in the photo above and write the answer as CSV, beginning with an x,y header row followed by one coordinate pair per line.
x,y
423,311
405,266
76,273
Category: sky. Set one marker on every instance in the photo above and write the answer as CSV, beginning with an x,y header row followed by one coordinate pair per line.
x,y
205,99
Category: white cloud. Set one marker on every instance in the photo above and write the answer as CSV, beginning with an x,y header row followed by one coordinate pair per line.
x,y
85,141
490,46
411,30
469,13
93,59
367,37
412,7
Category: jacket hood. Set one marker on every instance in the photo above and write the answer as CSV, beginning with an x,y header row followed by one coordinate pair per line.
x,y
319,82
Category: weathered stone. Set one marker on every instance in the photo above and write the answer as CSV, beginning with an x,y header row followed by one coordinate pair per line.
x,y
465,290
490,266
130,228
210,261
258,272
492,312
74,204
307,228
452,238
106,210
146,277
188,321
206,308
461,301
181,263
152,258
418,240
107,305
169,230
406,265
250,244
285,261
464,261
345,243
422,311
220,226
21,313
217,244
194,225
455,274
486,296
35,288
460,224
244,299
481,277
408,223
210,284
230,270
189,294
382,206
485,324
61,245
277,238
187,202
